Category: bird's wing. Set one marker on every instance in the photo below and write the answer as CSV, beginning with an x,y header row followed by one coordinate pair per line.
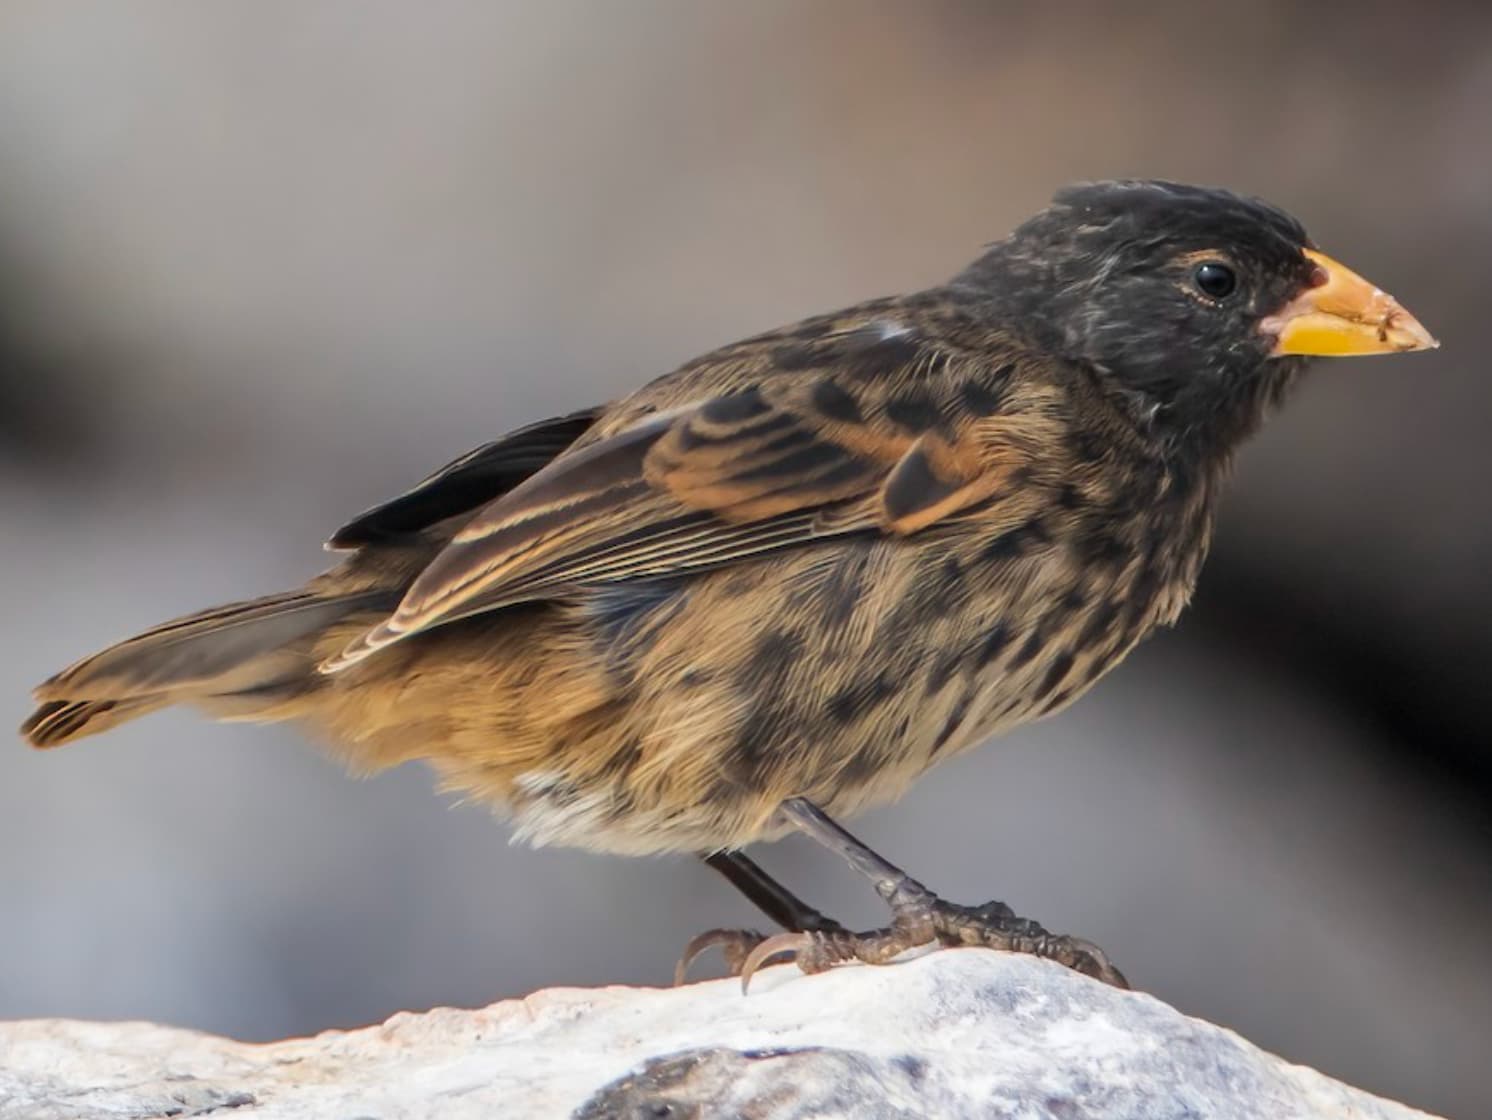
x,y
466,484
774,464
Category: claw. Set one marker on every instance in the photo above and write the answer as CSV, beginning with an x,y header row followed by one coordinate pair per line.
x,y
731,939
772,947
1090,960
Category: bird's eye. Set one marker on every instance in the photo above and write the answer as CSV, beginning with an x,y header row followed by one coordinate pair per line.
x,y
1215,280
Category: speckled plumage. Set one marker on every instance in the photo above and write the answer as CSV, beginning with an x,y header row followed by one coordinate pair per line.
x,y
811,564
676,711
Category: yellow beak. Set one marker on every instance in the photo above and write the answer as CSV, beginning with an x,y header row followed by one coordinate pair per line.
x,y
1343,314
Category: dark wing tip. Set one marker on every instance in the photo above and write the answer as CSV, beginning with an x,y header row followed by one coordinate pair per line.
x,y
467,484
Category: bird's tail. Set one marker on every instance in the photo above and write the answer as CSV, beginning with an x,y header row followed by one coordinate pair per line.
x,y
222,659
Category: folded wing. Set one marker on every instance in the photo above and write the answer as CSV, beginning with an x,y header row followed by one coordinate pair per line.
x,y
770,465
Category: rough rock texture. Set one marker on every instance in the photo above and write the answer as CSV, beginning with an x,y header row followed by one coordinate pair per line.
x,y
966,1033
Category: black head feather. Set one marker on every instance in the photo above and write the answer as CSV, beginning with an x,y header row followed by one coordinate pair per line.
x,y
1108,277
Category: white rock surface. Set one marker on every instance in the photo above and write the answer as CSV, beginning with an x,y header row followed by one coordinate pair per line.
x,y
964,1033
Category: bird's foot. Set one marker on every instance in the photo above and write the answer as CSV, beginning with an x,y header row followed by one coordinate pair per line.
x,y
738,945
921,918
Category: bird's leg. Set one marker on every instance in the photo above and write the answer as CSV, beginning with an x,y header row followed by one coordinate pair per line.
x,y
918,917
767,895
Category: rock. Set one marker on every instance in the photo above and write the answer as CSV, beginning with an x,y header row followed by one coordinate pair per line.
x,y
961,1033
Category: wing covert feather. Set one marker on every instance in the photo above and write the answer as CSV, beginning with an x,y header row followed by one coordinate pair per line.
x,y
772,464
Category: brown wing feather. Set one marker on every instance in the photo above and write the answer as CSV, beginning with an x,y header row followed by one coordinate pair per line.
x,y
769,465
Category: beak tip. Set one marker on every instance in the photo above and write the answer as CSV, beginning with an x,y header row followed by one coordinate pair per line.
x,y
1414,334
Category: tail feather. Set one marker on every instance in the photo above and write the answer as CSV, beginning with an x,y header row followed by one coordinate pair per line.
x,y
204,648
227,651
60,721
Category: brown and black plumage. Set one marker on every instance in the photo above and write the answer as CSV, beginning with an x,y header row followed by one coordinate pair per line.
x,y
779,583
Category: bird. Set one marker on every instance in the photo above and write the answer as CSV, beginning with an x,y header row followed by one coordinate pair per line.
x,y
774,586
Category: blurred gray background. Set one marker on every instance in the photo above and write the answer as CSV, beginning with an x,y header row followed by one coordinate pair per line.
x,y
262,264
